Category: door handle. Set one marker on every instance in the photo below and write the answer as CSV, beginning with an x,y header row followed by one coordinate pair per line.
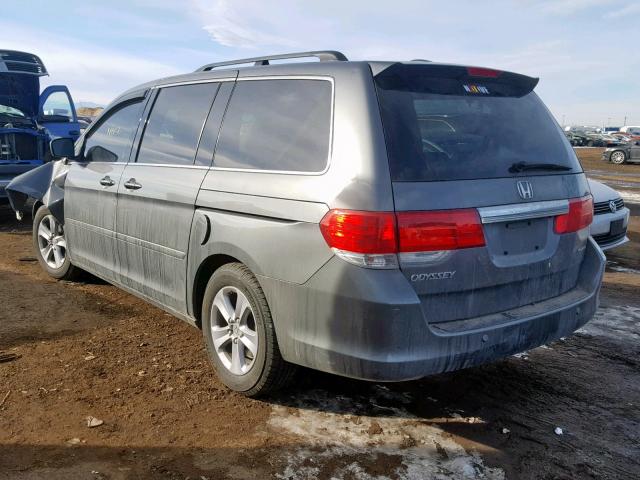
x,y
131,184
107,182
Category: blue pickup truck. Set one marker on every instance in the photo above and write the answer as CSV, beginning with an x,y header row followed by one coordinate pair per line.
x,y
29,119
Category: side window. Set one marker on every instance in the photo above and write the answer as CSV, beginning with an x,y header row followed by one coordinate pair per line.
x,y
111,141
175,123
57,105
277,125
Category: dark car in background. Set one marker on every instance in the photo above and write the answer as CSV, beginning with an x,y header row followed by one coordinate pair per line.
x,y
624,153
29,119
576,139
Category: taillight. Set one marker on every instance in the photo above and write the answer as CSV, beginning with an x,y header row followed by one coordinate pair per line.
x,y
372,239
580,216
360,232
439,230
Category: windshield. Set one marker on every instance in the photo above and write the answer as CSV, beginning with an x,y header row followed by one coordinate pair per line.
x,y
443,128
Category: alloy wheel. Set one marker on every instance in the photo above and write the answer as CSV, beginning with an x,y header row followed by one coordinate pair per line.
x,y
51,242
617,157
233,330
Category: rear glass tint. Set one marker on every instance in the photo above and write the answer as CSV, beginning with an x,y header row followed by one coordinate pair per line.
x,y
277,125
443,124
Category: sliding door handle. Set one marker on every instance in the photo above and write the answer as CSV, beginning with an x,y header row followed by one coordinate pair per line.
x,y
107,182
131,184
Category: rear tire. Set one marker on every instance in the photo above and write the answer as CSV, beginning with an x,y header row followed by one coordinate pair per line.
x,y
50,246
618,157
239,333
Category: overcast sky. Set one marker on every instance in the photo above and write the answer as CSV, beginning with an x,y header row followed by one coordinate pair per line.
x,y
584,51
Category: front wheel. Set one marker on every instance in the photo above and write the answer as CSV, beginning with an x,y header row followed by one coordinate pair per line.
x,y
618,157
50,246
239,333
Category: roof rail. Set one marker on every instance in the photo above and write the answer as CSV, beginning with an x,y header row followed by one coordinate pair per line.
x,y
322,55
13,61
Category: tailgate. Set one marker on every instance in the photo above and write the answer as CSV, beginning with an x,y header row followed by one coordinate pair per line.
x,y
523,260
490,198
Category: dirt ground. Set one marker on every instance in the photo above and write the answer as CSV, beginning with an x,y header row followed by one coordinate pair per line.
x,y
89,349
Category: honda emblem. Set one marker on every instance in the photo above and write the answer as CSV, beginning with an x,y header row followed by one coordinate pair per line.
x,y
525,190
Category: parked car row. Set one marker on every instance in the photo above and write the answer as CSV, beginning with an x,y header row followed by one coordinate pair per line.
x,y
593,139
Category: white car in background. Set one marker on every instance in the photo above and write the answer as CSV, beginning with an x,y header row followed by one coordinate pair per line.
x,y
610,216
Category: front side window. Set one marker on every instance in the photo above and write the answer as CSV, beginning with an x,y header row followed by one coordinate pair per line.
x,y
57,104
175,124
111,140
277,125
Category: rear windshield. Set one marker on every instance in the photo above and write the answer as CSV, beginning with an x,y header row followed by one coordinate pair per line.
x,y
441,123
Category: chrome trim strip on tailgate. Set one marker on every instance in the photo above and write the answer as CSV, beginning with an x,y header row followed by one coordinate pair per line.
x,y
523,211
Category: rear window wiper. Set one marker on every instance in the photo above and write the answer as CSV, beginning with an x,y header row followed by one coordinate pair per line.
x,y
524,166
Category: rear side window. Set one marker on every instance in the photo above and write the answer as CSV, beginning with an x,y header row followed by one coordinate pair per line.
x,y
443,123
174,126
277,125
111,140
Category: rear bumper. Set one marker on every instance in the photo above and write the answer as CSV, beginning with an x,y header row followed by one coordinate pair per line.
x,y
370,325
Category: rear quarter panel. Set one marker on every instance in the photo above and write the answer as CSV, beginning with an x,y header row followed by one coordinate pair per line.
x,y
269,221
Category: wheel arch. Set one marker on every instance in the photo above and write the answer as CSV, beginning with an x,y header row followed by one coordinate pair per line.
x,y
203,273
36,206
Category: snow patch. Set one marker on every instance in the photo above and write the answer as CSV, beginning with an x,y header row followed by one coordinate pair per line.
x,y
360,430
629,196
616,267
617,322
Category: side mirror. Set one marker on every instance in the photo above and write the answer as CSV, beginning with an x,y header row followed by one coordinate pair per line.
x,y
100,154
61,148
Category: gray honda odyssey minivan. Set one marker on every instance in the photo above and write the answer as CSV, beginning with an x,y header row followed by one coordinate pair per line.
x,y
378,220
